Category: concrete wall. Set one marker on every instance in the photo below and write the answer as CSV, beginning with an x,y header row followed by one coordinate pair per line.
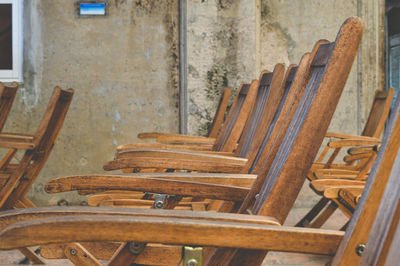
x,y
124,71
221,45
124,68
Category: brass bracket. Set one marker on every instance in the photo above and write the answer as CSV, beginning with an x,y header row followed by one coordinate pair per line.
x,y
159,201
192,256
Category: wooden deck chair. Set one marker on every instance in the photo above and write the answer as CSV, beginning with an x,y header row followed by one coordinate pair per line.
x,y
340,190
283,113
269,93
254,127
268,96
370,136
345,173
7,96
329,71
229,133
214,127
281,120
16,178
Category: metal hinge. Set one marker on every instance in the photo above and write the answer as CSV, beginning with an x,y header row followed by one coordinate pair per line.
x,y
192,256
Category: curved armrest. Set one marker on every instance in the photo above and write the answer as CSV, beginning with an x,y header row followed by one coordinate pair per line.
x,y
344,136
187,146
169,230
184,138
169,153
181,160
321,185
144,184
366,141
17,141
333,192
168,137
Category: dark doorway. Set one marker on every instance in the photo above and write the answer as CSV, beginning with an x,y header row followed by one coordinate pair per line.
x,y
6,37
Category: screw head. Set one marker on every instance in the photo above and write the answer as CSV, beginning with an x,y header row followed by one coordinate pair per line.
x,y
136,247
159,204
192,262
72,252
360,249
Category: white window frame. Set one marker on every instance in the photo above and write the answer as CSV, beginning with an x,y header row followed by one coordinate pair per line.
x,y
16,73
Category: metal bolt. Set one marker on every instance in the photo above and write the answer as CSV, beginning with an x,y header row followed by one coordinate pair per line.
x,y
360,249
72,252
256,196
159,204
136,247
192,262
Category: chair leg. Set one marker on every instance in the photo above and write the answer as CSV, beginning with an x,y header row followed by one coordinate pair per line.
x,y
306,220
31,256
78,255
327,212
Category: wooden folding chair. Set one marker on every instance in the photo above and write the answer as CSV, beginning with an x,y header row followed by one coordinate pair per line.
x,y
269,93
242,239
214,128
370,136
349,173
227,138
17,177
329,71
7,96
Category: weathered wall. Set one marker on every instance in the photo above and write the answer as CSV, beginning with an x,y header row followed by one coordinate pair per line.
x,y
292,27
124,71
284,31
124,68
221,44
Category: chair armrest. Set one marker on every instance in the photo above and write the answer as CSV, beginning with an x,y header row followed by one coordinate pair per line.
x,y
320,185
187,146
167,229
16,141
366,141
182,160
167,138
144,184
333,192
343,136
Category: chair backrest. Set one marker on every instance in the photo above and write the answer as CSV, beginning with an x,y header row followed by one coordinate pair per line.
x,y
273,135
220,113
232,129
33,160
378,114
374,222
269,93
7,96
323,86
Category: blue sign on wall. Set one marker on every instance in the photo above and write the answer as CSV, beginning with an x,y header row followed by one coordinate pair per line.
x,y
92,9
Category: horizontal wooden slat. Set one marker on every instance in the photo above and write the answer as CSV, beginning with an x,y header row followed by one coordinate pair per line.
x,y
174,163
168,231
155,185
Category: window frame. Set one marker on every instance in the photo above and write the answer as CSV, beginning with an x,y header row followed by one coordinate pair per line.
x,y
16,73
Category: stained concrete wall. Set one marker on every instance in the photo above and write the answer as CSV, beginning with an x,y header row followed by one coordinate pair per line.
x,y
124,68
284,31
221,43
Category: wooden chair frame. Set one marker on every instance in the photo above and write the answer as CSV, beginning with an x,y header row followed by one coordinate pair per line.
x,y
330,69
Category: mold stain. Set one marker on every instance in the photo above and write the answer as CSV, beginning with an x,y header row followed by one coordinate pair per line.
x,y
223,72
224,4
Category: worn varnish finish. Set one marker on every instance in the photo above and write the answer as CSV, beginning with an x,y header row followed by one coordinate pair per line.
x,y
215,125
7,96
364,157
